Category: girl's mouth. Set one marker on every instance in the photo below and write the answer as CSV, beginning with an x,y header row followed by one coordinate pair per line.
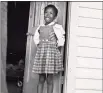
x,y
47,18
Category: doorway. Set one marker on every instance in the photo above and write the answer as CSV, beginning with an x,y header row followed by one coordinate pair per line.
x,y
18,23
17,20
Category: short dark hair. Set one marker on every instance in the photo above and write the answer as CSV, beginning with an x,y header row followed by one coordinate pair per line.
x,y
53,7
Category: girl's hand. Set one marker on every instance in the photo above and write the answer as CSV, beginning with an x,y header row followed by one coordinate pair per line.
x,y
29,34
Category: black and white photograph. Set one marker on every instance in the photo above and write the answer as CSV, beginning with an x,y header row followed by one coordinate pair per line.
x,y
51,46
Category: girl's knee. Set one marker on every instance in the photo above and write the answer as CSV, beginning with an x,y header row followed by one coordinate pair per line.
x,y
50,79
42,78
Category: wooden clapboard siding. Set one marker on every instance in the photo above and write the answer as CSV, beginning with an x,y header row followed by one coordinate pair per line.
x,y
85,47
88,51
91,5
91,13
89,84
96,42
88,91
90,32
89,63
83,72
89,46
83,21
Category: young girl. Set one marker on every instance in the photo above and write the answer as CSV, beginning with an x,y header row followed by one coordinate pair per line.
x,y
48,38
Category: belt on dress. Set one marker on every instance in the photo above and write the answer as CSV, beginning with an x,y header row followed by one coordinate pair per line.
x,y
47,40
44,40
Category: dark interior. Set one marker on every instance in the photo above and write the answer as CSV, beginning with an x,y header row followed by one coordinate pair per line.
x,y
18,16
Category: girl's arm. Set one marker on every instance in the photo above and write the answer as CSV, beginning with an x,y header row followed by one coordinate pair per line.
x,y
29,34
60,33
34,32
36,36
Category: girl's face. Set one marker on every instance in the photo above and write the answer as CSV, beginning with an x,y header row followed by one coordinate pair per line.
x,y
49,15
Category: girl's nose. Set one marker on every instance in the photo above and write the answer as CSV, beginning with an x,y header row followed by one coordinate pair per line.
x,y
47,14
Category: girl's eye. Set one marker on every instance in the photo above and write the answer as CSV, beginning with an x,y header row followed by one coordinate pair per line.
x,y
45,12
51,13
48,13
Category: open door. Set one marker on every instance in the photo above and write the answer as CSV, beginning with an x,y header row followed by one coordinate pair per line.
x,y
36,16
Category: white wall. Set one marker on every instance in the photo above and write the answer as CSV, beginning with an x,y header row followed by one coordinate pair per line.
x,y
84,73
3,45
3,28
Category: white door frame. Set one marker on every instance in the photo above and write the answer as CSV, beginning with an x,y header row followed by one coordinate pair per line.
x,y
69,81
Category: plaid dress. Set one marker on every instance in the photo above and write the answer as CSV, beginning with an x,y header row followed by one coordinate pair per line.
x,y
48,57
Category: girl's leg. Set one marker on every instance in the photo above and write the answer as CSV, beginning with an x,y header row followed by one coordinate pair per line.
x,y
50,83
42,78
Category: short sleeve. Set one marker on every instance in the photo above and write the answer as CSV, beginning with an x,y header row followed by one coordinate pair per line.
x,y
60,33
36,36
62,29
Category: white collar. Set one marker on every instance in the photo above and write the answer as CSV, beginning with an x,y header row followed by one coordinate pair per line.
x,y
49,24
